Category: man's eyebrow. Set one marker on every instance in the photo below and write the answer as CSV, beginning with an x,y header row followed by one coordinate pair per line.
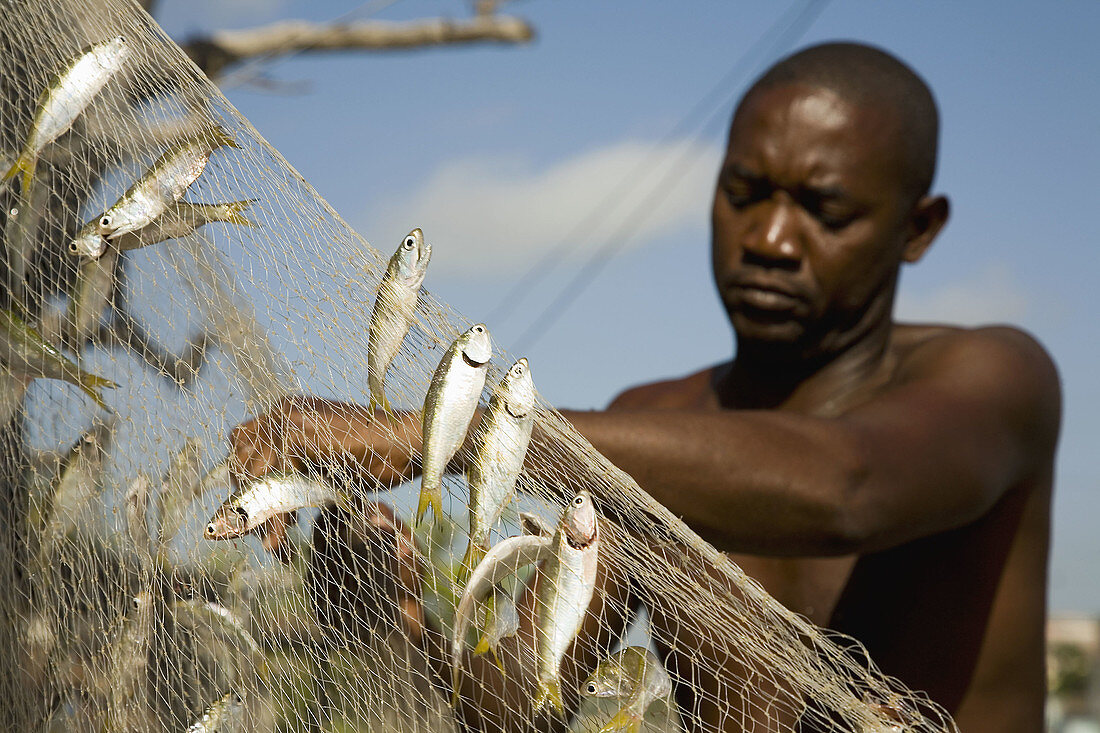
x,y
825,192
740,171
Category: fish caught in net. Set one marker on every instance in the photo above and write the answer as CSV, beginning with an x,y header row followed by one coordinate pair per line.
x,y
168,275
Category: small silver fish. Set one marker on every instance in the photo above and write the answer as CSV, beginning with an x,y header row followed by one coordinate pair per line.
x,y
88,244
128,701
27,354
565,585
91,296
79,481
222,621
448,408
162,185
65,98
634,676
181,220
223,716
500,446
181,483
394,308
260,500
137,516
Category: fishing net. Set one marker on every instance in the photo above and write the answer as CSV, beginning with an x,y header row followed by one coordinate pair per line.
x,y
119,615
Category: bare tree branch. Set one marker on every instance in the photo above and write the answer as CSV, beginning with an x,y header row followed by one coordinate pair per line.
x,y
228,47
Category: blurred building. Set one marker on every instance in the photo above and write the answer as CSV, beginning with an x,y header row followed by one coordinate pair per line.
x,y
1073,657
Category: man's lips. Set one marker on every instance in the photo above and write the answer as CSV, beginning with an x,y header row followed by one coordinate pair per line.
x,y
765,295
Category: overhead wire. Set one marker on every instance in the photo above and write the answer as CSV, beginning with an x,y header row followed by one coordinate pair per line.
x,y
780,36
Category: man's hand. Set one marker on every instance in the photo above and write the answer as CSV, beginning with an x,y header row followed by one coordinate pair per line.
x,y
341,441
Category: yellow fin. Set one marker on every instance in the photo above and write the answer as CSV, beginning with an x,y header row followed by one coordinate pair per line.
x,y
473,557
623,722
429,498
26,166
380,401
90,384
549,692
233,213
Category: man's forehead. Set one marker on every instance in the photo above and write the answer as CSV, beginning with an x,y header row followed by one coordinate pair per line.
x,y
813,129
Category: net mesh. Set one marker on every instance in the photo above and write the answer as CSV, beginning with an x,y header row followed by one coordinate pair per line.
x,y
120,615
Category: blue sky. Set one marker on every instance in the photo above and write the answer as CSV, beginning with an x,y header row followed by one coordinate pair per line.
x,y
500,152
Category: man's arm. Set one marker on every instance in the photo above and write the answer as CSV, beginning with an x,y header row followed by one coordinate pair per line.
x,y
969,416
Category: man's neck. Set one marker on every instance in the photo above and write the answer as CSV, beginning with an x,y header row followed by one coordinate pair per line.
x,y
809,380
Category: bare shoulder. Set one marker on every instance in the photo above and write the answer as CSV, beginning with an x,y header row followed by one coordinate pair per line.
x,y
1000,363
693,390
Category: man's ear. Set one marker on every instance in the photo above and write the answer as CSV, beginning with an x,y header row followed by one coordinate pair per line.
x,y
929,216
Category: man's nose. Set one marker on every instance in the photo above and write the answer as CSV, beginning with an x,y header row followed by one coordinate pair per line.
x,y
774,240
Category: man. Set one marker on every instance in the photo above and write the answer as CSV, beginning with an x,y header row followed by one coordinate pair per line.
x,y
890,481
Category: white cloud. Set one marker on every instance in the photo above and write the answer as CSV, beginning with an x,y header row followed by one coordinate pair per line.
x,y
994,295
498,214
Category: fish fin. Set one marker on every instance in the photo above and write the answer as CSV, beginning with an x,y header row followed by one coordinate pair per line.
x,y
233,213
483,646
475,553
432,498
549,692
90,384
496,658
533,524
222,138
23,165
380,402
623,722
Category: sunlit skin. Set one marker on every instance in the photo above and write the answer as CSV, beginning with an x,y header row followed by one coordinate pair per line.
x,y
891,481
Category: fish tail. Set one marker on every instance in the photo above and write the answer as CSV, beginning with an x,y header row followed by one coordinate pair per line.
x,y
25,165
623,722
378,397
222,138
483,646
549,692
472,558
455,672
429,497
496,658
233,211
90,384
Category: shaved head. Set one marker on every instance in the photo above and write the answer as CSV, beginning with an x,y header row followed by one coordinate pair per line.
x,y
869,78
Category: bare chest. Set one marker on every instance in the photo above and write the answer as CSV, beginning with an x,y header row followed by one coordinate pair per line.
x,y
808,586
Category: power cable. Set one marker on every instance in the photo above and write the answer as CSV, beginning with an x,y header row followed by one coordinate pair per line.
x,y
784,33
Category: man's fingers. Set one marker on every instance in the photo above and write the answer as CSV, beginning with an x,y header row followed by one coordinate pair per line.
x,y
273,536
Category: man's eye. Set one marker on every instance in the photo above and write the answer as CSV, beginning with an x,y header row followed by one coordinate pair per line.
x,y
834,220
741,193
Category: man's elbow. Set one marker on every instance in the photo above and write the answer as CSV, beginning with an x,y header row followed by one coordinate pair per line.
x,y
847,524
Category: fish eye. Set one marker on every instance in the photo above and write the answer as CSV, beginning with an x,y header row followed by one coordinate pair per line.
x,y
591,688
409,243
105,221
135,602
578,500
73,248
211,529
